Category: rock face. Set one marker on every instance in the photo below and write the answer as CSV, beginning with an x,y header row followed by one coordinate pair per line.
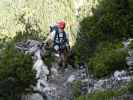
x,y
35,96
58,85
130,61
130,56
118,79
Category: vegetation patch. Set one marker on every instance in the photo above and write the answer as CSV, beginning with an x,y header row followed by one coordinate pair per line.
x,y
110,24
105,95
16,73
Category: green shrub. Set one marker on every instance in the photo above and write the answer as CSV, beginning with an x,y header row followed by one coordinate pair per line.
x,y
16,73
130,87
130,45
107,59
76,89
104,95
111,21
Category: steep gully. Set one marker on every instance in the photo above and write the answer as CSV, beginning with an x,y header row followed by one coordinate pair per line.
x,y
59,84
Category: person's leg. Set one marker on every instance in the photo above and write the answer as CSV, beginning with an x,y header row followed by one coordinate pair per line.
x,y
65,60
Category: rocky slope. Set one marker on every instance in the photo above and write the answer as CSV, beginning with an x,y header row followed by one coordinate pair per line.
x,y
56,84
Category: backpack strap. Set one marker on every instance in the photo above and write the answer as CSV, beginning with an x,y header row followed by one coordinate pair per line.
x,y
56,37
57,40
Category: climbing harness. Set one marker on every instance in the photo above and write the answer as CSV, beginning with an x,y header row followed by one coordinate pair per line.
x,y
60,40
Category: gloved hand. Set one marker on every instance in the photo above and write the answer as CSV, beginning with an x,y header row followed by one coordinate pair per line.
x,y
44,43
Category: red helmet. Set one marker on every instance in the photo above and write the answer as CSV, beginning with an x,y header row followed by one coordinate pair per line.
x,y
61,24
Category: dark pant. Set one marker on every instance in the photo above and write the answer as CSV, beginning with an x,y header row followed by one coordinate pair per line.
x,y
63,55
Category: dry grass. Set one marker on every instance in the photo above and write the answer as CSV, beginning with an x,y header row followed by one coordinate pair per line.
x,y
45,12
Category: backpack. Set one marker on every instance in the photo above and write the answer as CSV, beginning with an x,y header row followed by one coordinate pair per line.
x,y
60,40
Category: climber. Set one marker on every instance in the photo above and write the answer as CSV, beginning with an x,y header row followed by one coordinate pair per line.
x,y
58,39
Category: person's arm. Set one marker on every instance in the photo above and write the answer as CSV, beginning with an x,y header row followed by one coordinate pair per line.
x,y
50,37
